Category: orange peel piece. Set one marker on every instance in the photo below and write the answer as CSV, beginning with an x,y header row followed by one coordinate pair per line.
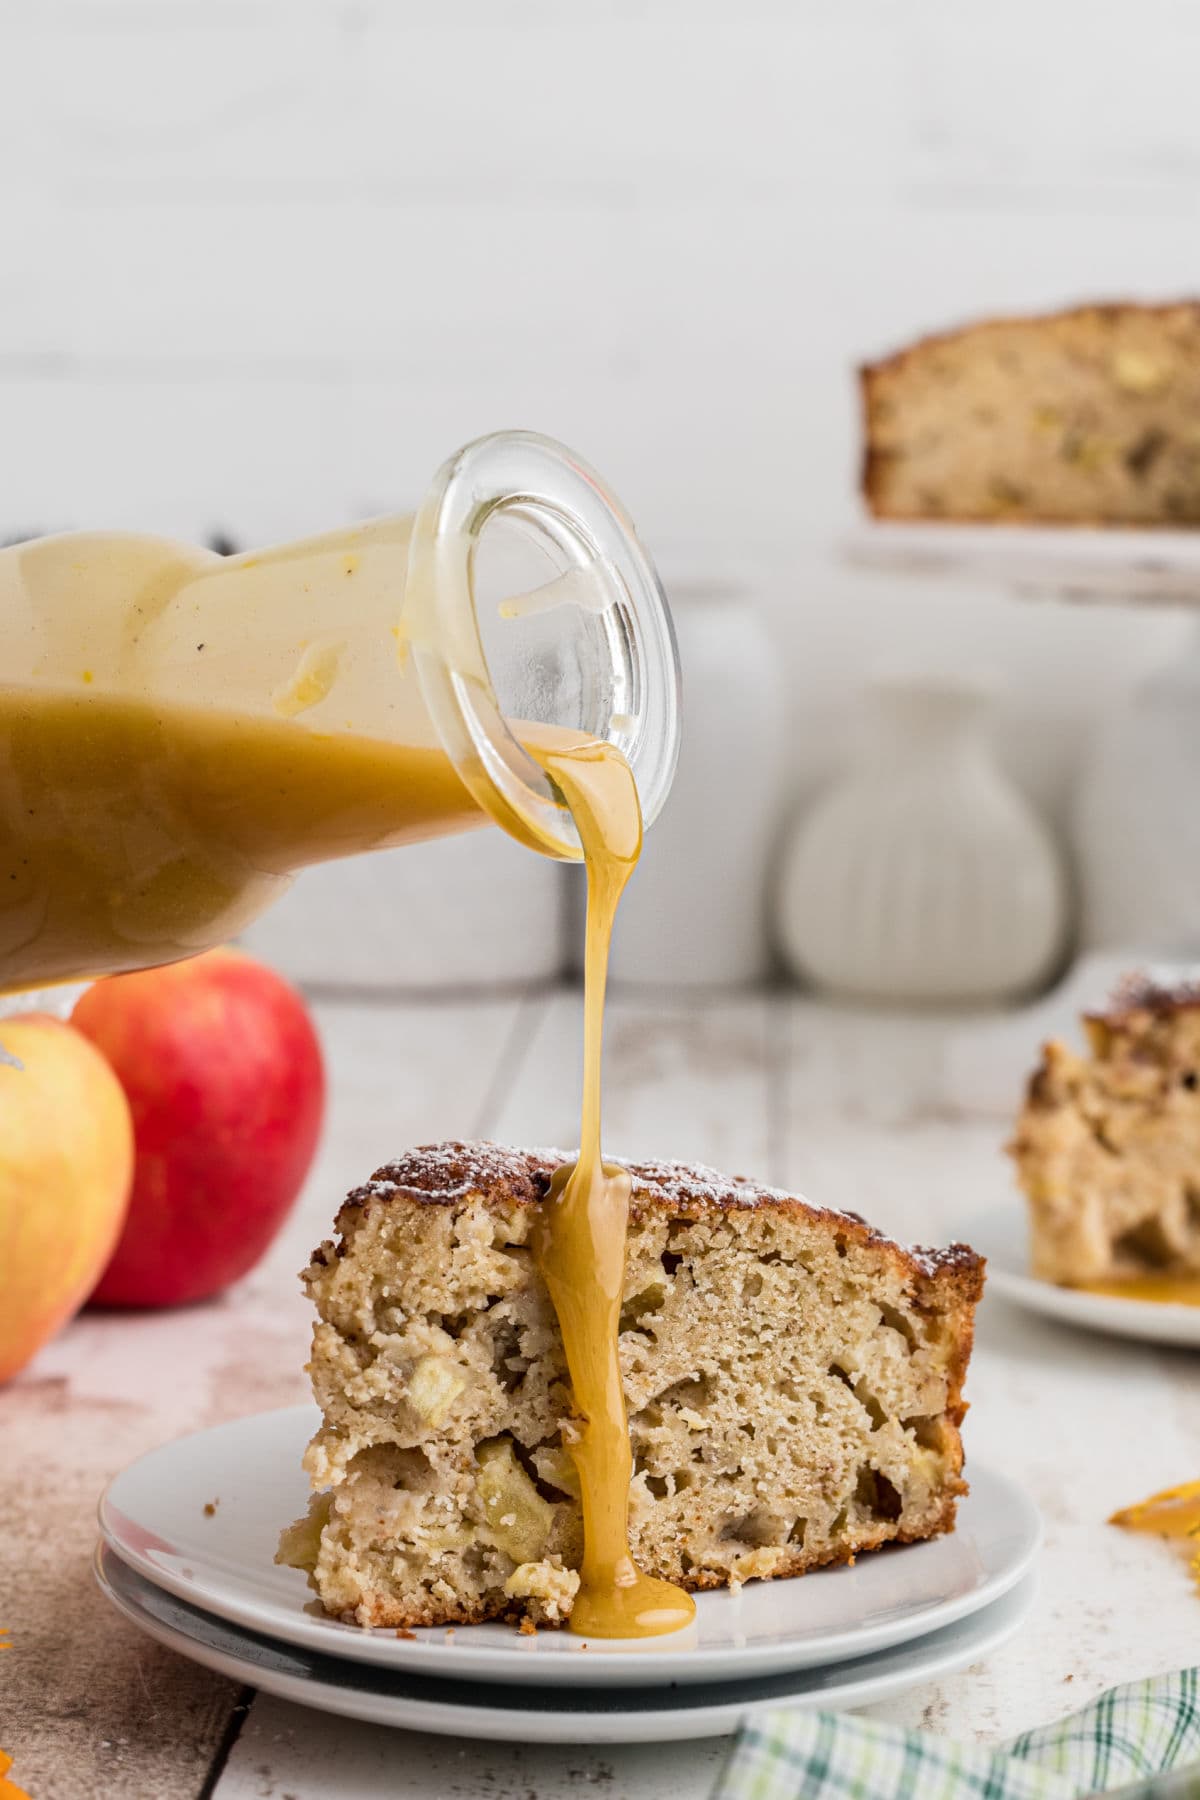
x,y
9,1789
1173,1513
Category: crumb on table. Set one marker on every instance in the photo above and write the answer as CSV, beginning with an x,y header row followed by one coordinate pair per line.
x,y
210,1507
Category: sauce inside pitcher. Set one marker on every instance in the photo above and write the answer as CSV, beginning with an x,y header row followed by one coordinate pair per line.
x,y
180,734
135,832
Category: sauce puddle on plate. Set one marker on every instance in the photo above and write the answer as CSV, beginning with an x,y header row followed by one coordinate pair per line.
x,y
1163,1290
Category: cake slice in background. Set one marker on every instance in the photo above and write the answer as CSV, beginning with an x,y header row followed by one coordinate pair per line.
x,y
794,1383
1108,1143
1089,416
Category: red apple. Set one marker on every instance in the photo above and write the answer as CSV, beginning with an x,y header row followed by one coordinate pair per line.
x,y
222,1069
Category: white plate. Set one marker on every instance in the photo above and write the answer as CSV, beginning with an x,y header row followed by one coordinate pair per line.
x,y
154,1517
1000,1235
496,1713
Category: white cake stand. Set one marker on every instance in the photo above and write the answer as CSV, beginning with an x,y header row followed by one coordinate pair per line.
x,y
1084,563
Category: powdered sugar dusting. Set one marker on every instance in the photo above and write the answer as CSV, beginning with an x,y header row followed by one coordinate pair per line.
x,y
696,1184
452,1171
1157,990
441,1174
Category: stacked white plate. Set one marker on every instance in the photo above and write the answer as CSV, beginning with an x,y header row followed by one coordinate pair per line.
x,y
189,1535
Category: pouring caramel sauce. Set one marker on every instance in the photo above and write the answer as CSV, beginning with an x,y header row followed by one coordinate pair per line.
x,y
140,825
580,1241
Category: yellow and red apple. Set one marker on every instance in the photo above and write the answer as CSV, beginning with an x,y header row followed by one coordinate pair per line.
x,y
66,1163
222,1069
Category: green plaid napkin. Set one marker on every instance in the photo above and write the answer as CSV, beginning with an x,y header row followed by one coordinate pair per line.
x,y
1128,1735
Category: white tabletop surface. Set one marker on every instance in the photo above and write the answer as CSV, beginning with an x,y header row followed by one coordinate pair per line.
x,y
850,1108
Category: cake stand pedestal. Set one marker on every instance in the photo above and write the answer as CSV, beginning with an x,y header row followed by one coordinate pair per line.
x,y
1133,822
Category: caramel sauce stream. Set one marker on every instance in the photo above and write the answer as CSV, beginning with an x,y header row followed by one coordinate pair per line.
x,y
580,1238
160,785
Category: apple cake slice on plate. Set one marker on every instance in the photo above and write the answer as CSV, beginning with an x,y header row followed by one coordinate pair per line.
x,y
1107,1146
1086,416
794,1383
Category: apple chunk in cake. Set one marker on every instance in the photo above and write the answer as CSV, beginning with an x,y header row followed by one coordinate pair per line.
x,y
794,1384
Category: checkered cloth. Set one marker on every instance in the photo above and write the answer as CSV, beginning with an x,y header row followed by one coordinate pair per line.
x,y
1127,1735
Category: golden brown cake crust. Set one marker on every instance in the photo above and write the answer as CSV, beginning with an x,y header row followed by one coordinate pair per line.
x,y
1084,416
440,1174
1155,991
794,1382
1107,1145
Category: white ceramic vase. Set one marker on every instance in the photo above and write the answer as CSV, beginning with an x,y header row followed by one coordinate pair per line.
x,y
923,876
1135,822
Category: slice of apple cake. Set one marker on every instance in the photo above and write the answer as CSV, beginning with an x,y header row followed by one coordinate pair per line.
x,y
794,1383
1108,1144
1081,416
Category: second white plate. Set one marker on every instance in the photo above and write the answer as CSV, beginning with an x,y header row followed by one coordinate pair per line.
x,y
157,1517
499,1713
1001,1236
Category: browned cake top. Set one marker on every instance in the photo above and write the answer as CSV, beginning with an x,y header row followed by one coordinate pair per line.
x,y
1158,991
1181,314
1084,416
440,1174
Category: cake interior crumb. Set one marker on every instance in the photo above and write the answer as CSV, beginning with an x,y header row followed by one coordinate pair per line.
x,y
793,1380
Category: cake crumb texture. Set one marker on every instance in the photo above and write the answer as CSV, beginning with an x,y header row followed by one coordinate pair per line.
x,y
794,1384
1091,415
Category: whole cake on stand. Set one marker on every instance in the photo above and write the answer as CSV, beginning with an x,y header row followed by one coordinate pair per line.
x,y
1058,457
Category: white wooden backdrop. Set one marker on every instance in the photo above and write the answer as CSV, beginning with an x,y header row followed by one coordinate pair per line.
x,y
264,262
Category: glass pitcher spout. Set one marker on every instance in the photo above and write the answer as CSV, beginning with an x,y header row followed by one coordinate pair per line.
x,y
589,649
181,732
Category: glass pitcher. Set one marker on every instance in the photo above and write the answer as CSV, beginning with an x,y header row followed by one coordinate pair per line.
x,y
181,732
